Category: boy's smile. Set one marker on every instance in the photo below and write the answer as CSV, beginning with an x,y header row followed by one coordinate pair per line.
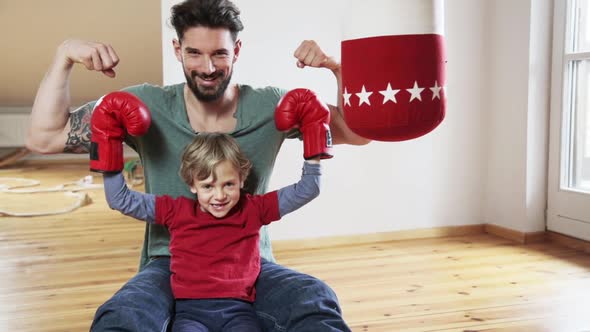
x,y
220,192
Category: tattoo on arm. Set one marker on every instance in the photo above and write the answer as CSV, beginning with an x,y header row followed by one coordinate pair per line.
x,y
79,136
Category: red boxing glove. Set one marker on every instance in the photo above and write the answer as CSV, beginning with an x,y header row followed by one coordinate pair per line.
x,y
302,108
115,114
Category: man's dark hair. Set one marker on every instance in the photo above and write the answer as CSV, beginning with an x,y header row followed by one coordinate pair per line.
x,y
206,13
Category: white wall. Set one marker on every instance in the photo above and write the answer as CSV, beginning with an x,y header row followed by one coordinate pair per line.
x,y
518,94
540,49
470,170
507,113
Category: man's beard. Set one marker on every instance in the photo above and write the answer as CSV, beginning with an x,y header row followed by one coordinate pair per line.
x,y
209,93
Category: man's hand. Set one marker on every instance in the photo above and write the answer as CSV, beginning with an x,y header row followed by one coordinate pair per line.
x,y
310,54
94,56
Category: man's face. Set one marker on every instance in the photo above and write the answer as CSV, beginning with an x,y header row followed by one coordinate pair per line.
x,y
207,56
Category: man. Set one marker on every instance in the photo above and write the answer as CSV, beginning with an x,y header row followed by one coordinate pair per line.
x,y
208,47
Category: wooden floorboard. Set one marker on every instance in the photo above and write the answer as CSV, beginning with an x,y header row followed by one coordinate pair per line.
x,y
56,270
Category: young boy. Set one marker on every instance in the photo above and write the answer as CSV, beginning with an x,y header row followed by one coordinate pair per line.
x,y
214,239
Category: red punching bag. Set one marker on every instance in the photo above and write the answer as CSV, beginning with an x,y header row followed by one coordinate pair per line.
x,y
393,68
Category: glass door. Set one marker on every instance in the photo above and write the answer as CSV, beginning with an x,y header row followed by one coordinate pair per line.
x,y
569,144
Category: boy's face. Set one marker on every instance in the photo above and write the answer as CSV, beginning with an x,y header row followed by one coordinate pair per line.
x,y
220,196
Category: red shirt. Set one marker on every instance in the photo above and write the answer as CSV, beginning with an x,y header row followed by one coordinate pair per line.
x,y
215,258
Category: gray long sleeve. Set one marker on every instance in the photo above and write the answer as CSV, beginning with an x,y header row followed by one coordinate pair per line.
x,y
296,195
131,203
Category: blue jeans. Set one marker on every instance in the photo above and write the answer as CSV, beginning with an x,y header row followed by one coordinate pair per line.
x,y
205,315
286,300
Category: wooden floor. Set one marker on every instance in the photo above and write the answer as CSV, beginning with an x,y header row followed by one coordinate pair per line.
x,y
55,271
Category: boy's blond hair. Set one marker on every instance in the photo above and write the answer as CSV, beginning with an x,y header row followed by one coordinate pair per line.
x,y
208,150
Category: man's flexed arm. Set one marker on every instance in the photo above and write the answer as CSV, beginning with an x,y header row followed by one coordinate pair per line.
x,y
52,130
310,54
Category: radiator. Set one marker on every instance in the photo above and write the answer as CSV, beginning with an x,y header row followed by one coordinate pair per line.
x,y
14,124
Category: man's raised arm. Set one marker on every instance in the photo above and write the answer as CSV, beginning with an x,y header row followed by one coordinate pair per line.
x,y
53,129
309,54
